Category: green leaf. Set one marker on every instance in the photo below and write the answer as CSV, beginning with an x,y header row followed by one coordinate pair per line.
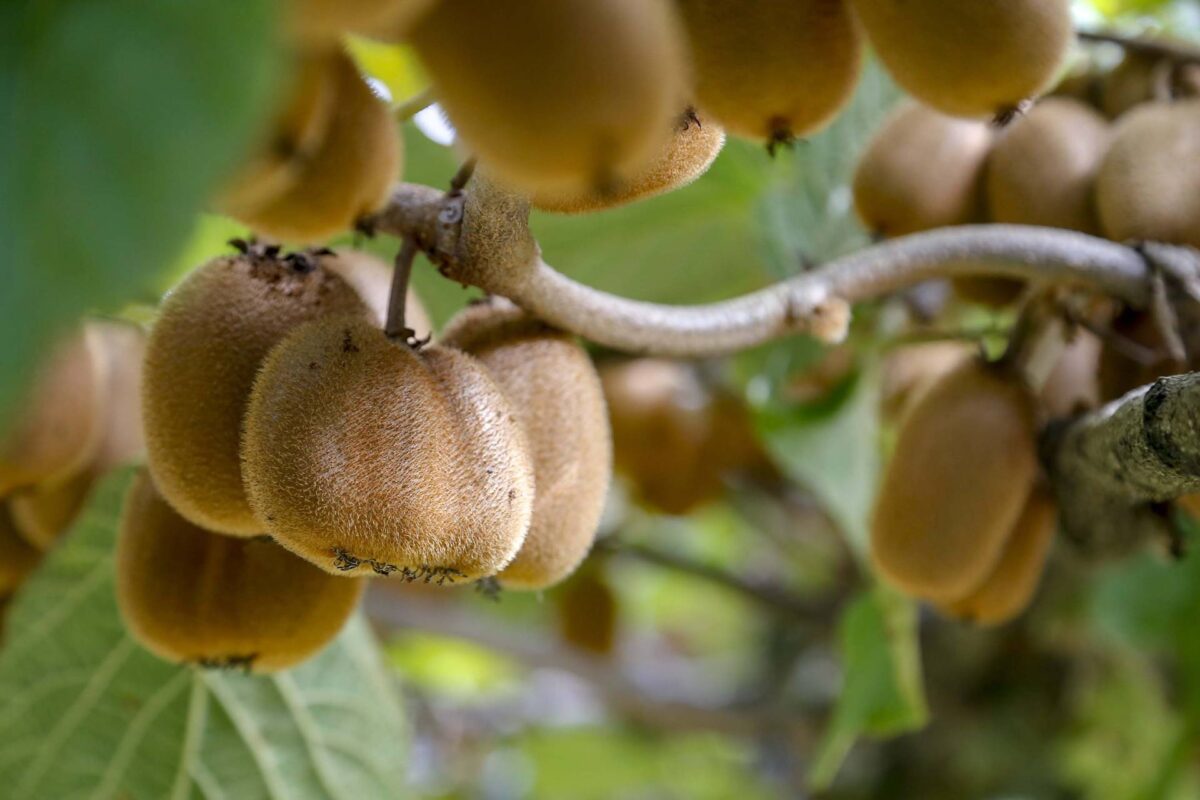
x,y
119,120
881,692
85,712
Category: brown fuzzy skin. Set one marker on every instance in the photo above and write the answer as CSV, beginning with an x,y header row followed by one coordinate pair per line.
x,y
1010,587
1073,385
59,427
371,277
364,455
921,170
910,370
348,176
691,151
196,597
324,21
557,95
969,58
212,333
42,514
1147,184
553,389
963,467
1042,170
773,70
18,558
586,612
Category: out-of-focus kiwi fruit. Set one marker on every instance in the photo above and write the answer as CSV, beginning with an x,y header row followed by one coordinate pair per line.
x,y
18,558
347,175
697,141
970,58
962,469
1145,77
1121,368
586,612
775,69
1146,189
911,369
558,96
1074,383
318,22
203,352
1190,503
363,454
196,597
58,424
1042,169
371,277
554,392
1011,586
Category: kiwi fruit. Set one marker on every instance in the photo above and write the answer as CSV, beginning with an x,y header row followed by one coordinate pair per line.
x,y
363,454
696,142
976,58
1010,587
18,558
775,69
371,277
203,352
554,392
1073,384
557,95
963,467
59,423
921,170
1042,170
323,21
192,596
349,173
909,370
586,612
1146,189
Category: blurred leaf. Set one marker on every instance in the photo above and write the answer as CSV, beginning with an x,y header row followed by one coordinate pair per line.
x,y
881,692
1117,8
450,666
119,119
396,66
87,713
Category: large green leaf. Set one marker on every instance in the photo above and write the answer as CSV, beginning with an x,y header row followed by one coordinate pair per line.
x,y
119,119
85,712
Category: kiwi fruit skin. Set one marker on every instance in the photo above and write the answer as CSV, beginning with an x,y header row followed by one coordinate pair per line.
x,y
695,144
557,95
969,58
58,428
203,352
963,467
554,391
775,69
910,370
317,22
586,612
1042,170
371,277
1011,586
921,170
364,455
192,596
18,558
1073,385
1146,189
348,175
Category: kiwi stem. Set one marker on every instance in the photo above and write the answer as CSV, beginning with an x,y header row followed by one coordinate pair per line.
x,y
1179,53
463,176
407,109
396,327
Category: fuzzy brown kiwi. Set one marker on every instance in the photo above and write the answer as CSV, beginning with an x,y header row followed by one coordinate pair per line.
x,y
1146,189
192,596
963,466
347,176
1073,385
371,277
18,558
697,141
212,333
59,423
1042,170
1011,586
557,95
362,455
775,69
970,58
910,370
586,612
323,21
554,391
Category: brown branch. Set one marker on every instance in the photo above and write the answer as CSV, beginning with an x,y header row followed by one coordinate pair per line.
x,y
1172,51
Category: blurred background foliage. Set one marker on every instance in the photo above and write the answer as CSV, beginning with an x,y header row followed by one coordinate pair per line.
x,y
743,650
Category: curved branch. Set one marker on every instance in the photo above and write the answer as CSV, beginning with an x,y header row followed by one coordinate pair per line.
x,y
1173,51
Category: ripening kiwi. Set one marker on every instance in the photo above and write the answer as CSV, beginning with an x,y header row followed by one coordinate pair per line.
x,y
212,333
18,558
921,170
554,392
910,370
963,466
348,174
774,69
322,21
196,597
970,57
557,95
1043,168
586,612
1009,588
58,424
1147,188
697,141
1073,385
371,277
363,454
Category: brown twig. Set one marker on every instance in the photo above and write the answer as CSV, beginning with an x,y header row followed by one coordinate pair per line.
x,y
396,326
1173,51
